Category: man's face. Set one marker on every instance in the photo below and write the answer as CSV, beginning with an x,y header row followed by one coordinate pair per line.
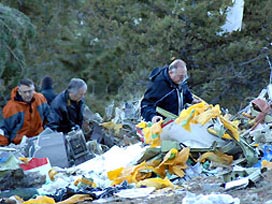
x,y
26,92
178,75
78,96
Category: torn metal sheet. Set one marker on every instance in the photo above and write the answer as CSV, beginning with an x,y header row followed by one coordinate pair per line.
x,y
198,137
244,181
261,134
249,152
237,184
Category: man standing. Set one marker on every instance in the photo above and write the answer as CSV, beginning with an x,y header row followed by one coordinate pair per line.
x,y
67,107
168,90
24,114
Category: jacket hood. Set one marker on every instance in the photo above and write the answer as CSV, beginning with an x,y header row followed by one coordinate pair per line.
x,y
156,72
13,93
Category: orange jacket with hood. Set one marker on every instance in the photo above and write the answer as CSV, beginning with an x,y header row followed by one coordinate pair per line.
x,y
21,118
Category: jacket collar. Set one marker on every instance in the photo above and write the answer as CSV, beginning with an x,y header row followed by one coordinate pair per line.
x,y
15,96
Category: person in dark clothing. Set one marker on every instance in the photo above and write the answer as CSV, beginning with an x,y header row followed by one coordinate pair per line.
x,y
47,89
67,107
168,89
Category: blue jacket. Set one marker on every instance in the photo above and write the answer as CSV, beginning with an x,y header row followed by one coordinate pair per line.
x,y
163,92
65,113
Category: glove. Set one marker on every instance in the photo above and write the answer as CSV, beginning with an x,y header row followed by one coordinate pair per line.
x,y
3,140
156,119
76,127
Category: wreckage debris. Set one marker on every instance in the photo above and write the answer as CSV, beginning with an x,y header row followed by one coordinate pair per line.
x,y
201,141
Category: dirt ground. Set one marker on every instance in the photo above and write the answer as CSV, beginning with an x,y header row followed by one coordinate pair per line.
x,y
257,193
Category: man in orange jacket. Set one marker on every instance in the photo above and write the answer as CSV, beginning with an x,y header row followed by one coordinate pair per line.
x,y
24,114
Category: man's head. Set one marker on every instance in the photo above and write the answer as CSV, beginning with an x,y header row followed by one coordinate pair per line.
x,y
26,89
77,89
47,82
178,71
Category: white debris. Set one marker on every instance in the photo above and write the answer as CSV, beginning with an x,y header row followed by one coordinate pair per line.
x,y
212,198
234,17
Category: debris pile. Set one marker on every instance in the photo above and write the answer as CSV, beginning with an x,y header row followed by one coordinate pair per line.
x,y
128,158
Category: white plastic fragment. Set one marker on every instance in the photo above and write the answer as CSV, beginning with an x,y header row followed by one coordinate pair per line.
x,y
212,198
135,192
234,17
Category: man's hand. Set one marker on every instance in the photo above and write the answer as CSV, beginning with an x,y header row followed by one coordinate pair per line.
x,y
156,119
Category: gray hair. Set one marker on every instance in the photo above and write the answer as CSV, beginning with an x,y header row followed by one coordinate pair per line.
x,y
75,84
178,62
26,82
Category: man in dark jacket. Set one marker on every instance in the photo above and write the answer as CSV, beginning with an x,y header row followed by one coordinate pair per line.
x,y
168,90
67,107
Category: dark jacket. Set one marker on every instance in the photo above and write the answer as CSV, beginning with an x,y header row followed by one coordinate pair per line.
x,y
65,113
163,92
21,118
49,94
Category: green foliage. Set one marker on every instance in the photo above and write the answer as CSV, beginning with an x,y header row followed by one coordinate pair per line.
x,y
114,45
15,31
